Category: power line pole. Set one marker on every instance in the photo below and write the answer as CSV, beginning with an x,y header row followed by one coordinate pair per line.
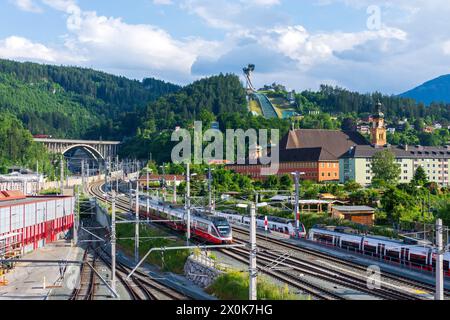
x,y
38,186
82,176
76,217
297,199
188,203
61,172
209,190
130,191
113,241
136,233
175,189
148,193
439,261
253,270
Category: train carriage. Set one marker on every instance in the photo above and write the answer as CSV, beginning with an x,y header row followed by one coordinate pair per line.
x,y
206,227
416,256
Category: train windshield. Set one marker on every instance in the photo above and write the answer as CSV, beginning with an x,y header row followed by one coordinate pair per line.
x,y
223,226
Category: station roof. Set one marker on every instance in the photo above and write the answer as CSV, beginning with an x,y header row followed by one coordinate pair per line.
x,y
354,209
14,201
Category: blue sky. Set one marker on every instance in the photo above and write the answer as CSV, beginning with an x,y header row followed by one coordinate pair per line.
x,y
363,45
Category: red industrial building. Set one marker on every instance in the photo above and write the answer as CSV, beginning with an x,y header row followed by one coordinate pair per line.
x,y
28,223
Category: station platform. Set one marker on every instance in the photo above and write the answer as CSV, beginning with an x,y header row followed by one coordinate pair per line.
x,y
43,281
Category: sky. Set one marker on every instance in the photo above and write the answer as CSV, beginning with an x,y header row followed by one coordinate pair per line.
x,y
361,45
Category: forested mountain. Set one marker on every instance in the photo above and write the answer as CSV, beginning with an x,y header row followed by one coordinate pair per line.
x,y
217,94
75,102
18,148
436,90
336,100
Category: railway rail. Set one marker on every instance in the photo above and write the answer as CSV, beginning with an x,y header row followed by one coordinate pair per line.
x,y
147,288
312,255
346,274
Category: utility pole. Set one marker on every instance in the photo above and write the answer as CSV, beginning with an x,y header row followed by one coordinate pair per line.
x,y
253,272
439,261
188,203
82,176
113,241
38,186
131,195
136,233
209,190
61,168
148,193
297,199
75,217
175,189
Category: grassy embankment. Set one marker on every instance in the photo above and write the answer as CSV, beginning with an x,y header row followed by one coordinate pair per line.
x,y
172,261
234,285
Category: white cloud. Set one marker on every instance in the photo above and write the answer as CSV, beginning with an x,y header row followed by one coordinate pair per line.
x,y
15,47
27,5
163,2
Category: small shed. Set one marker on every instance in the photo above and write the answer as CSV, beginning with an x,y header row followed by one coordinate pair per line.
x,y
358,214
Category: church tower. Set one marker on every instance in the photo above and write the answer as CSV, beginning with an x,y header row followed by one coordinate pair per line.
x,y
378,130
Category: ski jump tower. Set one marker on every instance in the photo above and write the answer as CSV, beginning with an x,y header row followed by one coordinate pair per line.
x,y
248,71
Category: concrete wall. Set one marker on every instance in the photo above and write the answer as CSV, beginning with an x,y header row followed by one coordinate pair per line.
x,y
201,270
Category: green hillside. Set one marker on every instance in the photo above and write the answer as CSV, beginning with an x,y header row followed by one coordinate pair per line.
x,y
70,102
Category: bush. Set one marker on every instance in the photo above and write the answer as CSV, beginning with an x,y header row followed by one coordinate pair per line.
x,y
234,285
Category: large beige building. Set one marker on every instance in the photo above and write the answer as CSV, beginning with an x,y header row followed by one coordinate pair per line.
x,y
356,164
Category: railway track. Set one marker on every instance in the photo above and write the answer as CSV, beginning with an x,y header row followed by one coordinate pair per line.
x,y
346,275
150,289
86,288
314,257
297,268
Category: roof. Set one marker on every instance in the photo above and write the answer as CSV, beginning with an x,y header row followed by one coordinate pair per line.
x,y
11,195
408,152
330,144
28,200
354,209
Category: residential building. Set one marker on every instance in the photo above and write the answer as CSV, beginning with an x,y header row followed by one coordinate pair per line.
x,y
356,163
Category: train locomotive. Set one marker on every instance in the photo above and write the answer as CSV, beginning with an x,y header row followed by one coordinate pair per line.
x,y
409,253
208,228
274,224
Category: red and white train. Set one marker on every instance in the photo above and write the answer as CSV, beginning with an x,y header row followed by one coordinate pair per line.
x,y
274,224
411,254
209,228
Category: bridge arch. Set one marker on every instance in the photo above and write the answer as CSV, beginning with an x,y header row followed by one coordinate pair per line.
x,y
91,150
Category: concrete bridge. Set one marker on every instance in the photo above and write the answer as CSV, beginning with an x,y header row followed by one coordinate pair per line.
x,y
99,150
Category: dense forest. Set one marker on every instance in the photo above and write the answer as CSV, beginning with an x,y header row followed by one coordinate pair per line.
x,y
71,102
335,101
18,147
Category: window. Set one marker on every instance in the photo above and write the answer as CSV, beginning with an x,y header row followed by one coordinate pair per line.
x,y
406,178
405,171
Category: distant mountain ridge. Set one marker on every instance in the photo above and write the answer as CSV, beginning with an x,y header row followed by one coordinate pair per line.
x,y
436,90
